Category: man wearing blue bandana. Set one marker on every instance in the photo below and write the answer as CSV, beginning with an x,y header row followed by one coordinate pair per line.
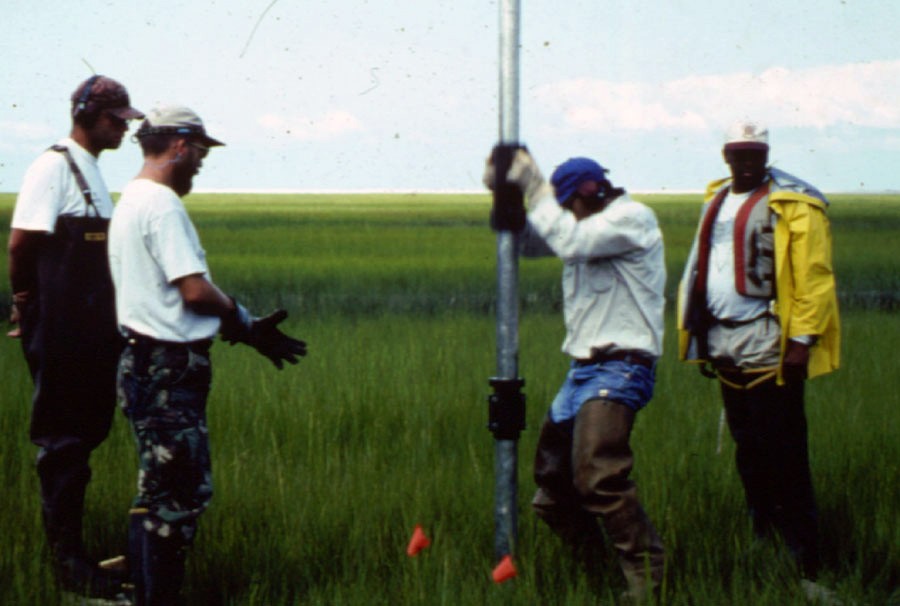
x,y
613,281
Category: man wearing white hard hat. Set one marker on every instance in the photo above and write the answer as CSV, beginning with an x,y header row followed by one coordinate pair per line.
x,y
757,308
169,311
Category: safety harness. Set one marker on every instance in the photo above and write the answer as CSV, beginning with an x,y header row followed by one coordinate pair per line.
x,y
754,274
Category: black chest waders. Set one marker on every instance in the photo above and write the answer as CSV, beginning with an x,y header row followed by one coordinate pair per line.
x,y
72,346
71,337
75,288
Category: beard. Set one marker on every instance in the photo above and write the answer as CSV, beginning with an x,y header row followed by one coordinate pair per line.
x,y
744,180
113,142
183,178
100,141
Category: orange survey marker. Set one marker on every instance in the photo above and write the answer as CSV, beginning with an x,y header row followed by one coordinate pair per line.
x,y
505,570
418,542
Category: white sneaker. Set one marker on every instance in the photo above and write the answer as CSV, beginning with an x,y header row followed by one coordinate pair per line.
x,y
73,599
819,594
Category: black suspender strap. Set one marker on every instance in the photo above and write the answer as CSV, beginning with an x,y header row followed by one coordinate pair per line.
x,y
79,177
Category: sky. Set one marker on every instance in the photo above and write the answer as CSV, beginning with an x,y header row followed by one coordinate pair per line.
x,y
403,95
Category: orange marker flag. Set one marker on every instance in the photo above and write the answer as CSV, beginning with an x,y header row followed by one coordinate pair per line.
x,y
418,542
505,570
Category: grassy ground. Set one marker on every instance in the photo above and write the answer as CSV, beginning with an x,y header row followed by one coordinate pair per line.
x,y
321,471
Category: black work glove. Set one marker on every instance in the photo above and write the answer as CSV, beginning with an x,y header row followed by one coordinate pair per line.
x,y
263,335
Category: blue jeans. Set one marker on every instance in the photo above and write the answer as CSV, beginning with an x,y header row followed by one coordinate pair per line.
x,y
616,381
583,463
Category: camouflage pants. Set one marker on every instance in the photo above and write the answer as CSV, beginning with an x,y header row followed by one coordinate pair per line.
x,y
163,389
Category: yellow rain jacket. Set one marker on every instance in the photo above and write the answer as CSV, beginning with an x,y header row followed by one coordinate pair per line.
x,y
806,297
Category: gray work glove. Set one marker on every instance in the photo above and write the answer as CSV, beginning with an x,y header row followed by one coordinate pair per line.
x,y
263,335
525,174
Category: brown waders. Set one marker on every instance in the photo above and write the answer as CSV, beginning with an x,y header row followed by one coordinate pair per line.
x,y
582,474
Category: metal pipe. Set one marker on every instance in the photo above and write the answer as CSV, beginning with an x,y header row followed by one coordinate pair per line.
x,y
507,404
509,71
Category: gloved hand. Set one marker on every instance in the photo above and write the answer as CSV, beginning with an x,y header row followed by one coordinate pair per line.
x,y
525,174
263,335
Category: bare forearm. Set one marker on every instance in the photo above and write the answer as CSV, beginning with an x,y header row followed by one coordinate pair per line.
x,y
23,249
204,297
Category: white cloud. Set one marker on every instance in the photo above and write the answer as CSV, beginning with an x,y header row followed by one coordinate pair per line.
x,y
331,125
857,94
24,131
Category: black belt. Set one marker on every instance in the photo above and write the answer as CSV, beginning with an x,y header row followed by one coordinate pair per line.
x,y
737,323
136,339
629,357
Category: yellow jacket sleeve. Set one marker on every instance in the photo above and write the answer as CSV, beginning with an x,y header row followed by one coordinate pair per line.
x,y
806,290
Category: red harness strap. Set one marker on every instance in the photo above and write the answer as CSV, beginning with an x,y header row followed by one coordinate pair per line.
x,y
705,236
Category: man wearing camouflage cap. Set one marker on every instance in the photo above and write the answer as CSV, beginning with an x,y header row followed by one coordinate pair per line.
x,y
757,304
63,305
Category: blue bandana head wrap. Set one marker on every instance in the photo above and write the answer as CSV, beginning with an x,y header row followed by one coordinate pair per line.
x,y
569,175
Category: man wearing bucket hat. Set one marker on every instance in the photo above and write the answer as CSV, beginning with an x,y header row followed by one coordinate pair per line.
x,y
169,310
757,304
613,280
63,309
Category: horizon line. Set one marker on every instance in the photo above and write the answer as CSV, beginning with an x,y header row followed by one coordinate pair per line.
x,y
402,191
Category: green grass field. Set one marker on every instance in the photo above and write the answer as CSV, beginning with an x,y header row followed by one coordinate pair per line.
x,y
322,471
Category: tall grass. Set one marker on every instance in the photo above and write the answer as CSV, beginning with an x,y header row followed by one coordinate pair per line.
x,y
321,471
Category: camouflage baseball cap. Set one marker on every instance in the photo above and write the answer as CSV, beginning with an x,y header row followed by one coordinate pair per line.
x,y
102,93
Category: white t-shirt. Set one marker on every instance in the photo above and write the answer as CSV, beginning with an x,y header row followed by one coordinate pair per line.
x,y
152,243
614,275
49,189
722,297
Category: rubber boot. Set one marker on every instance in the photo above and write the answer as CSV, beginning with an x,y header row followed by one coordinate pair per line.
x,y
74,571
156,564
641,554
556,502
602,462
63,486
71,567
135,556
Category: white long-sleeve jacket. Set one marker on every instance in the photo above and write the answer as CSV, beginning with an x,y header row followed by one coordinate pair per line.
x,y
614,274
